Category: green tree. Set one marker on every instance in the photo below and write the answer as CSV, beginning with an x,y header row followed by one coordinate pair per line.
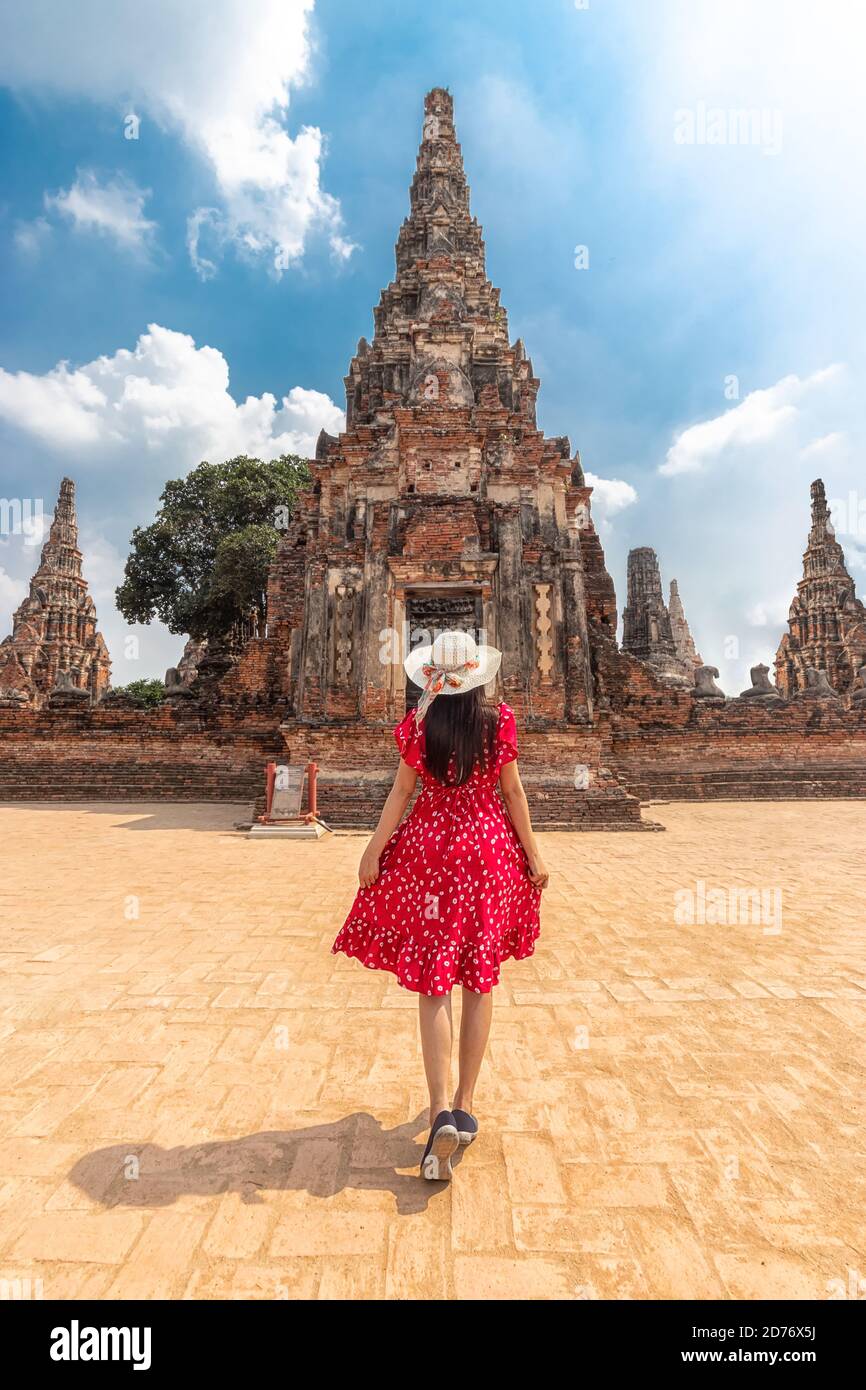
x,y
202,564
144,692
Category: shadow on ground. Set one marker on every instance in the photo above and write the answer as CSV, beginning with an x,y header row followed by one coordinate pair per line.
x,y
208,816
355,1152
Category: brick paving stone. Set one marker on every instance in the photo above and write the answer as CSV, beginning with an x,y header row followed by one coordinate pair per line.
x,y
667,1110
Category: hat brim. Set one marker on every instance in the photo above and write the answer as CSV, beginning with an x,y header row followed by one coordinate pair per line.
x,y
489,661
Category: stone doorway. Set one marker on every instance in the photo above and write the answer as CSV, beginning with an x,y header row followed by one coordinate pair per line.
x,y
431,611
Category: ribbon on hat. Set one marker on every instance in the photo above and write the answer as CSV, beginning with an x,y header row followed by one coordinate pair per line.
x,y
437,677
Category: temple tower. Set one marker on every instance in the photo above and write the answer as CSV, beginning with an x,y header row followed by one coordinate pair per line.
x,y
442,504
647,633
54,636
683,641
826,621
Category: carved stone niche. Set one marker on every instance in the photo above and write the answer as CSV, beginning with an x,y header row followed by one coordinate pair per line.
x,y
858,691
344,633
543,631
438,381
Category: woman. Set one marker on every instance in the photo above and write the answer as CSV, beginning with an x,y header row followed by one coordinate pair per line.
x,y
455,890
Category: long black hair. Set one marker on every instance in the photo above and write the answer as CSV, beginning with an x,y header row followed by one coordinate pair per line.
x,y
459,733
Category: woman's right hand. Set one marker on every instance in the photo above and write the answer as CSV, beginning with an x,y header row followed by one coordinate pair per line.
x,y
538,875
368,869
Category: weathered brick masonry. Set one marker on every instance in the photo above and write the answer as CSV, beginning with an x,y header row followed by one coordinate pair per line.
x,y
662,743
122,754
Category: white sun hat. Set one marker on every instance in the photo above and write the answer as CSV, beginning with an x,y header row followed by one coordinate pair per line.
x,y
451,665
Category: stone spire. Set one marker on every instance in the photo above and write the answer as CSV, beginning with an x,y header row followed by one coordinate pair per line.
x,y
826,621
441,335
54,641
647,631
439,221
683,640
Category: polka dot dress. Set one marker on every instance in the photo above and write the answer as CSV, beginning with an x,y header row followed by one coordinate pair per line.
x,y
453,899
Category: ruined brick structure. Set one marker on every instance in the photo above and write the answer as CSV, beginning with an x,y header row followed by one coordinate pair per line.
x,y
648,632
826,621
684,643
442,504
55,642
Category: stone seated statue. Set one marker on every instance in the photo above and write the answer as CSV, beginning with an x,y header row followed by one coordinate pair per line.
x,y
705,686
761,687
858,690
817,686
175,686
13,698
66,692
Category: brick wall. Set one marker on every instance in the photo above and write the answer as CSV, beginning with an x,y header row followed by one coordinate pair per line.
x,y
121,754
662,743
649,742
356,772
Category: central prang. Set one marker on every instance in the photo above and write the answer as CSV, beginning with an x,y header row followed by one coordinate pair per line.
x,y
442,504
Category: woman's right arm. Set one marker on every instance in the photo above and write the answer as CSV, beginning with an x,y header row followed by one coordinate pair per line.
x,y
392,813
518,813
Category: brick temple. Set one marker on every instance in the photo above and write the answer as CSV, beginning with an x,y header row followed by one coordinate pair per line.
x,y
55,645
652,631
826,621
442,504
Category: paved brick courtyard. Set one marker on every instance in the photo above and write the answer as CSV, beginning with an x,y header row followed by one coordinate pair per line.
x,y
199,1100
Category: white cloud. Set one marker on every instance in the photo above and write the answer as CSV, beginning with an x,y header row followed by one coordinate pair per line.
x,y
203,220
735,534
760,417
610,495
791,57
342,249
122,425
219,72
31,237
827,444
167,399
12,591
772,613
114,209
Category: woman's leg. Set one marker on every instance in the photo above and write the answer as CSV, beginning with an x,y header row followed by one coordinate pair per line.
x,y
474,1032
434,1016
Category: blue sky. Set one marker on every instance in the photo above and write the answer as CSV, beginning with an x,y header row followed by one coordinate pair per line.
x,y
706,361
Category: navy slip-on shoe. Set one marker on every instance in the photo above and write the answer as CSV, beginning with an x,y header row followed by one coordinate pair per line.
x,y
442,1143
467,1126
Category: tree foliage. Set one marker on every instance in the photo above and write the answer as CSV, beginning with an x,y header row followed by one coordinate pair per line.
x,y
143,692
202,564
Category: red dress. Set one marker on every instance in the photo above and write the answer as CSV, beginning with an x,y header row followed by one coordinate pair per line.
x,y
453,898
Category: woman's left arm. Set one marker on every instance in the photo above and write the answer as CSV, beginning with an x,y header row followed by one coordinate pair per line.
x,y
392,813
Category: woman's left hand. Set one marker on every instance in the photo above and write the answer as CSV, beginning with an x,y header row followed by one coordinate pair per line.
x,y
538,875
368,869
